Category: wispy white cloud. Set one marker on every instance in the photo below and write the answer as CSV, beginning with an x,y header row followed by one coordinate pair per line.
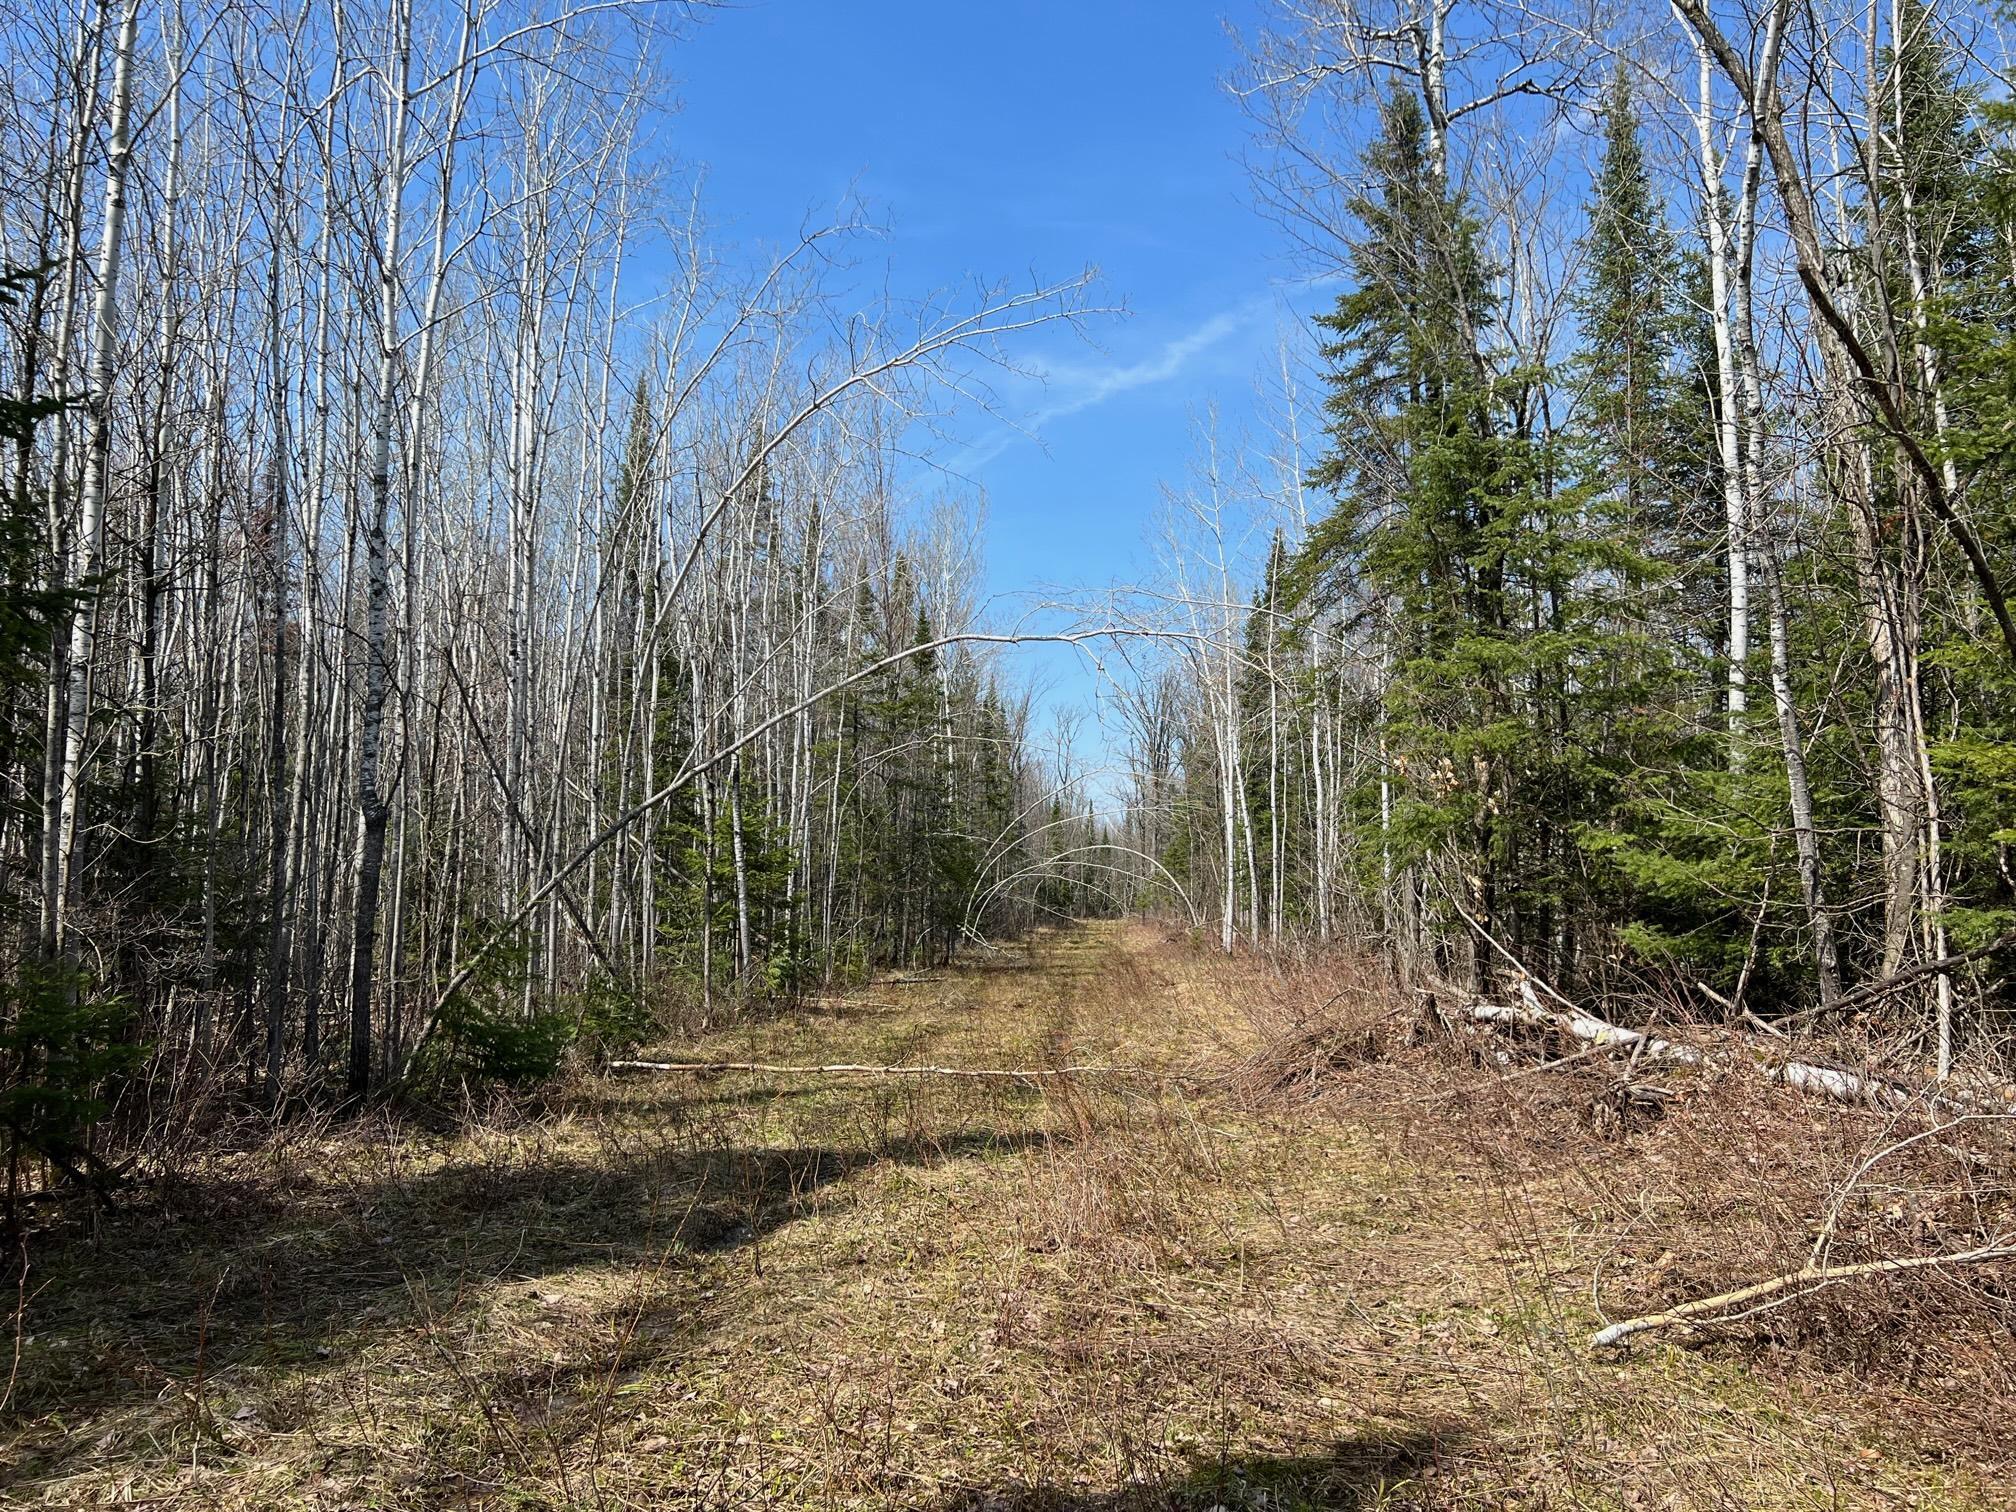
x,y
1071,388
1080,387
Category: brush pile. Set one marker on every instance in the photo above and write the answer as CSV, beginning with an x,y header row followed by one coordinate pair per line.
x,y
1312,1022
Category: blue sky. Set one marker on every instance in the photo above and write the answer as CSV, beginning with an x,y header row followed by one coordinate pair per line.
x,y
1004,140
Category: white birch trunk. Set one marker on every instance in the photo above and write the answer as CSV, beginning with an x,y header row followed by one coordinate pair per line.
x,y
97,464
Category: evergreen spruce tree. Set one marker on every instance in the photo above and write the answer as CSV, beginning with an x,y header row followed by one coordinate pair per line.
x,y
1509,591
1432,495
1646,454
1625,396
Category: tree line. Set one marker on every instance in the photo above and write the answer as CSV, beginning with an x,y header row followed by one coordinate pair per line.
x,y
457,606
454,605
1622,591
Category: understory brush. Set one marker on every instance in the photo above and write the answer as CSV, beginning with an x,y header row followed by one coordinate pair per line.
x,y
1642,1183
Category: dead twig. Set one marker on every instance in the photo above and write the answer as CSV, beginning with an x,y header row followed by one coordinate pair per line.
x,y
1788,1288
1883,987
1486,1083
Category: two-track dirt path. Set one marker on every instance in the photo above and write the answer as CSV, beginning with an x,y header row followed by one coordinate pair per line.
x,y
746,1291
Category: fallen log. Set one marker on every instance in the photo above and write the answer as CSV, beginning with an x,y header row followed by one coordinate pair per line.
x,y
1790,1287
1009,1073
1583,1025
1835,1081
1838,1082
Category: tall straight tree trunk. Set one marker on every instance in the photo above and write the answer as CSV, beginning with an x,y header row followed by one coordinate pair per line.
x,y
1728,440
153,571
740,860
1805,836
1228,802
1932,886
1921,262
1274,862
278,807
97,465
1889,626
89,67
1319,777
372,810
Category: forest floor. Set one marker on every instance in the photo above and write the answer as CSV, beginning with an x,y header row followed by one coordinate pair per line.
x,y
770,1290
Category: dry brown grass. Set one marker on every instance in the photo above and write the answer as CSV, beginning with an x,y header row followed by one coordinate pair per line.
x,y
1637,1187
1345,1270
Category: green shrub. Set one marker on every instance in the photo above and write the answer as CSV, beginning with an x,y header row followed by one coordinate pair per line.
x,y
509,1045
610,1016
60,1047
494,1028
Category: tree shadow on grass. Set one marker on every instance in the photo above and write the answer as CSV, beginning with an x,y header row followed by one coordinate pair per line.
x,y
1372,1470
204,1278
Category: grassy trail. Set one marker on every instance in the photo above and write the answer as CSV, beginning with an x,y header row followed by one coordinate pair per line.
x,y
747,1291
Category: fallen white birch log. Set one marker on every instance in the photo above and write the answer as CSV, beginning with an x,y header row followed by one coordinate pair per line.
x,y
1583,1026
711,1068
1836,1082
1768,1294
